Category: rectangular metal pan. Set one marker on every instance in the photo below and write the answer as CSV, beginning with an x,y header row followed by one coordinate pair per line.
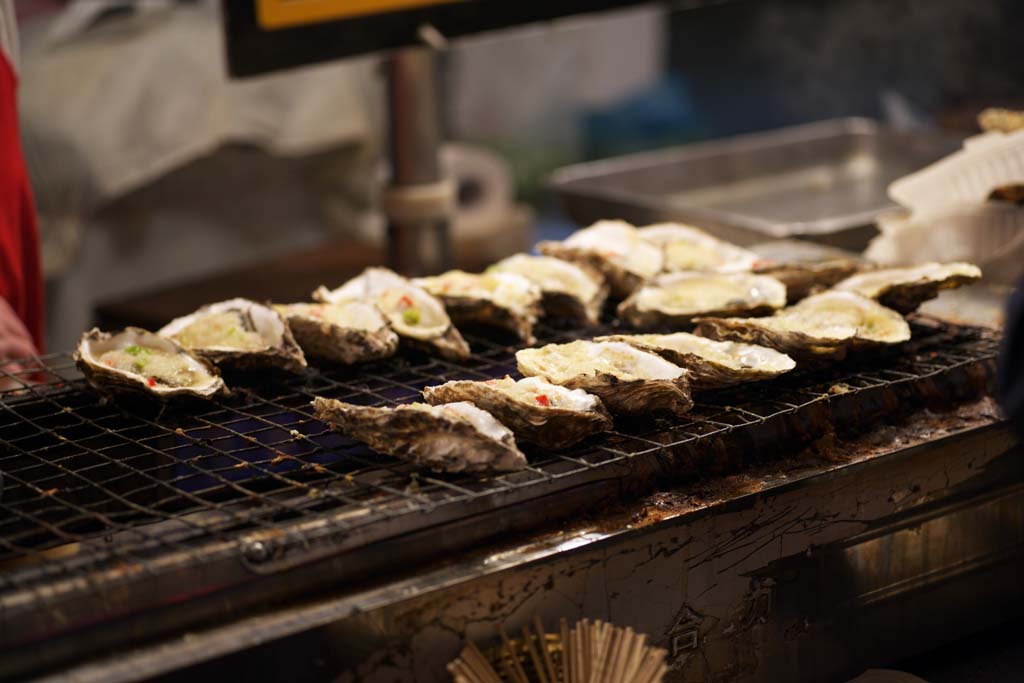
x,y
822,181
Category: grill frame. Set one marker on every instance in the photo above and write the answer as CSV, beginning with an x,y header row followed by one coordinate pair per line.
x,y
950,364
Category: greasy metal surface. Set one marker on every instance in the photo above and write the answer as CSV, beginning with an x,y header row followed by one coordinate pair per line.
x,y
828,562
137,520
823,181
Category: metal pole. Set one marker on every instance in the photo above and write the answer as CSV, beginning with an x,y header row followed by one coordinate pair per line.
x,y
419,200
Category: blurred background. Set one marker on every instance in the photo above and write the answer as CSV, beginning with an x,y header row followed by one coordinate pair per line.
x,y
156,175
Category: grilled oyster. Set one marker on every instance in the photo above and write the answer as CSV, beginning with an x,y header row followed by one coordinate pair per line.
x,y
570,290
535,410
455,437
687,248
673,300
347,331
627,380
822,326
904,289
417,316
614,249
805,278
138,360
711,363
502,300
238,333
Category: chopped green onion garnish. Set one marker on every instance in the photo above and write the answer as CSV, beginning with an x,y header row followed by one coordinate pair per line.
x,y
411,316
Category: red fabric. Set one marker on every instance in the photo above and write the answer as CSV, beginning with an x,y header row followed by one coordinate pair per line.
x,y
21,282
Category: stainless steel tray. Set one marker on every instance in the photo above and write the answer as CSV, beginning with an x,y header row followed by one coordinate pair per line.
x,y
822,181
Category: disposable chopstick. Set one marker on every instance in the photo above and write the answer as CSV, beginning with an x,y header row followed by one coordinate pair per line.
x,y
534,655
542,637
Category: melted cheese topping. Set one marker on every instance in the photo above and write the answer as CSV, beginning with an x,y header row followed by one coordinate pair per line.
x,y
352,314
228,329
689,248
735,355
413,312
163,367
551,275
537,392
872,284
841,310
506,290
481,420
618,242
560,363
697,293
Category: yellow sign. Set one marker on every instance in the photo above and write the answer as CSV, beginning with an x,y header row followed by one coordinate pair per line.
x,y
273,14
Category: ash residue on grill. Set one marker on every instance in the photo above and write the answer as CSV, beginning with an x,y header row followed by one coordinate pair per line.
x,y
828,452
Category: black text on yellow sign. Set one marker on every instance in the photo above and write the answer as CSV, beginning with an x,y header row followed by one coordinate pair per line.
x,y
274,14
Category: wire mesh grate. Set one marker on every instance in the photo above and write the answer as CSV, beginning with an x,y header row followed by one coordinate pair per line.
x,y
88,485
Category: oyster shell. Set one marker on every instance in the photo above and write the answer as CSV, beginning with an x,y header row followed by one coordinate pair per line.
x,y
673,300
822,326
614,249
455,437
904,289
418,317
139,360
347,331
502,300
687,248
546,414
570,290
238,333
627,380
711,363
805,278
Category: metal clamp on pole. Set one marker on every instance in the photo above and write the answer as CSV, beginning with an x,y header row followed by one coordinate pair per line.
x,y
419,202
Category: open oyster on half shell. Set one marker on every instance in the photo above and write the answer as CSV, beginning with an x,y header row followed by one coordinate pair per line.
x,y
688,248
904,289
674,299
711,363
139,360
417,316
627,380
347,331
614,249
455,437
535,410
570,290
238,334
822,326
504,301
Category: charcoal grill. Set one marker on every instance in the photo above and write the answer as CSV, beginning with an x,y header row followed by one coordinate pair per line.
x,y
125,522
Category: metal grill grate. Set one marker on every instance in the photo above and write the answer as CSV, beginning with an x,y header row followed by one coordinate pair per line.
x,y
90,488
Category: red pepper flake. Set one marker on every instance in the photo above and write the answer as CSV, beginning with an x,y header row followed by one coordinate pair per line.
x,y
151,381
405,300
110,363
543,399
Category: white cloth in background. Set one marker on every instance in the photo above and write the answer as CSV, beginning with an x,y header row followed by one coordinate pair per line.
x,y
947,215
9,34
136,96
560,68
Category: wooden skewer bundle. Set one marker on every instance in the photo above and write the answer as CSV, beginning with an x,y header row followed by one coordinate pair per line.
x,y
590,652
